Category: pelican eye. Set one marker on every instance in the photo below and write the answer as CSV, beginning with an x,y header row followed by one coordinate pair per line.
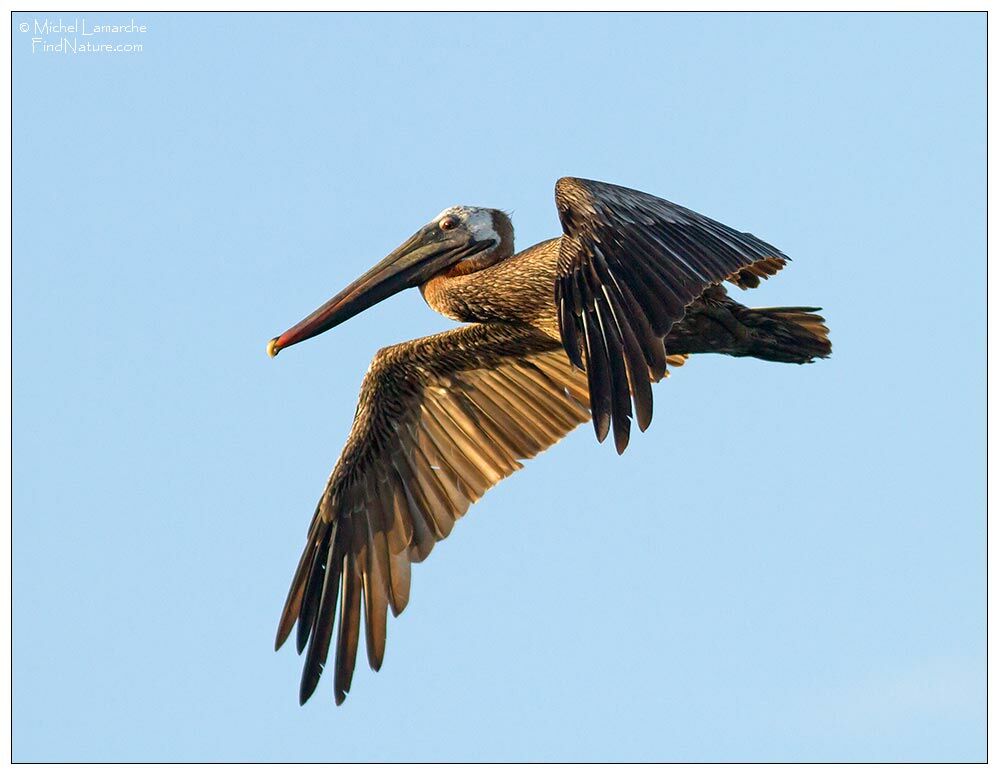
x,y
448,222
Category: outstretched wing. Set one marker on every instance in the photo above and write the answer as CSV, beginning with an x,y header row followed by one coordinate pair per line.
x,y
440,420
628,265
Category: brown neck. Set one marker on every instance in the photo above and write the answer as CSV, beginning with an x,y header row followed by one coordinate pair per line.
x,y
518,289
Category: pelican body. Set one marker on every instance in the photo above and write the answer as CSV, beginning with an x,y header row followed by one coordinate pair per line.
x,y
575,328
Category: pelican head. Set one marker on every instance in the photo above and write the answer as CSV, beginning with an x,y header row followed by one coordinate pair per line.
x,y
459,240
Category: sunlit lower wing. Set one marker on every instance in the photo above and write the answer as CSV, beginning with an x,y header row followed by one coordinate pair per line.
x,y
628,265
440,420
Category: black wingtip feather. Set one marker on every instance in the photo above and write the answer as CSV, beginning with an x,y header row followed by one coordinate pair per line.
x,y
597,376
570,333
349,631
638,371
322,628
620,397
313,590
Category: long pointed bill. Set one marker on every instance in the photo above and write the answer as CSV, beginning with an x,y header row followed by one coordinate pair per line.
x,y
425,254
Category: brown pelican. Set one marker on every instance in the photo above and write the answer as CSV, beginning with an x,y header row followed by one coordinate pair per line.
x,y
571,329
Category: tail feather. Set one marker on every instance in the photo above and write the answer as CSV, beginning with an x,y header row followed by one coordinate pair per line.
x,y
787,334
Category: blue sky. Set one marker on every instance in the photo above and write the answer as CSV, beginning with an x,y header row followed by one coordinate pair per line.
x,y
789,565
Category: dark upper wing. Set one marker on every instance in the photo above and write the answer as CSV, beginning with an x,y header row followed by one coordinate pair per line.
x,y
628,265
440,420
